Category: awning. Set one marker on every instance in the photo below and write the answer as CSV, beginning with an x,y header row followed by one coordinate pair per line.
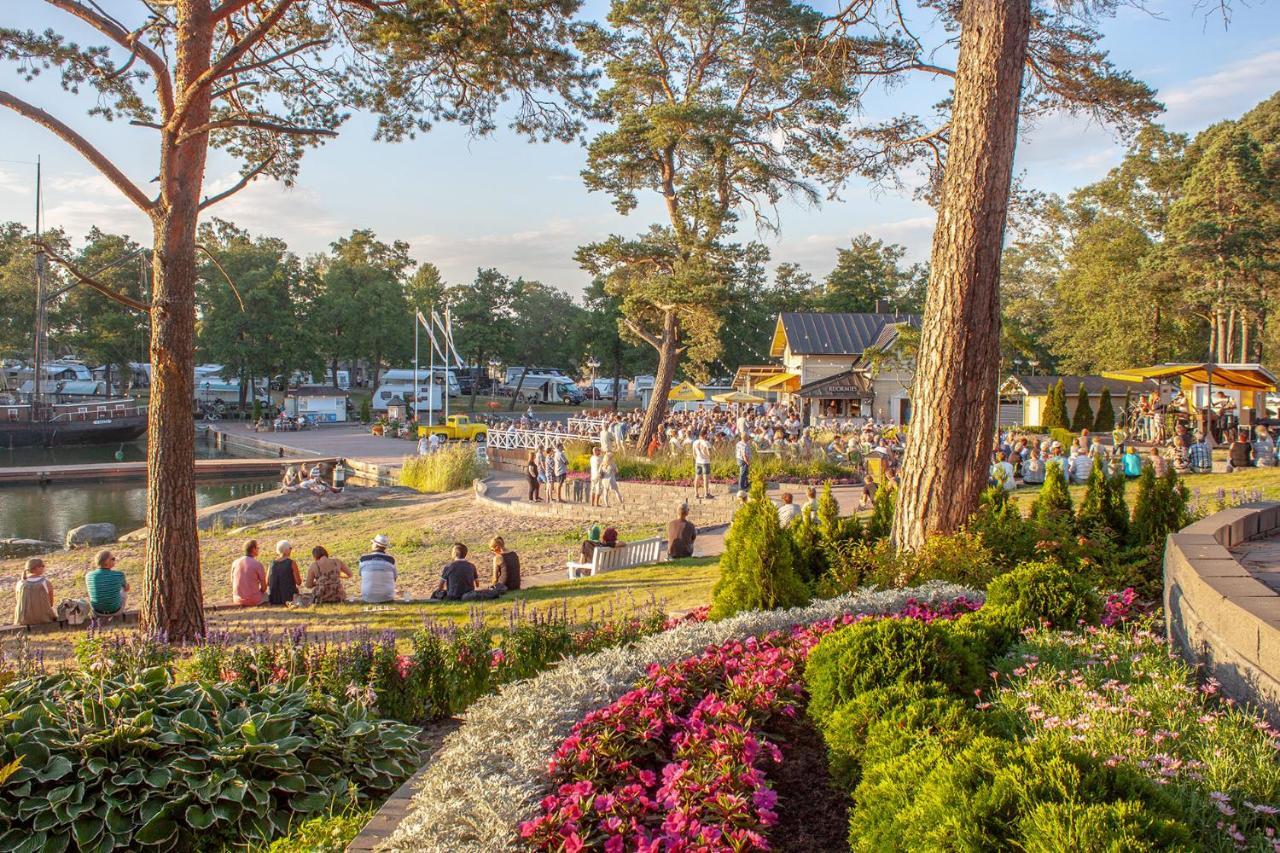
x,y
736,397
789,382
849,385
1236,377
686,392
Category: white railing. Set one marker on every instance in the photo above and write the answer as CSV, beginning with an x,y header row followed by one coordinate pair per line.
x,y
531,439
585,424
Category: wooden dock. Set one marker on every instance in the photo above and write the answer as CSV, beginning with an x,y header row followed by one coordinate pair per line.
x,y
206,469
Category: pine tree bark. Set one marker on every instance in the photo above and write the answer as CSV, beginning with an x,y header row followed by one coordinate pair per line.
x,y
954,396
668,347
173,599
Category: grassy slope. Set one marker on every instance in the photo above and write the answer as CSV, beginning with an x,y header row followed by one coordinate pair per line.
x,y
1266,479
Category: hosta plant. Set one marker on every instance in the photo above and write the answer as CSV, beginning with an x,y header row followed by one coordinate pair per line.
x,y
145,763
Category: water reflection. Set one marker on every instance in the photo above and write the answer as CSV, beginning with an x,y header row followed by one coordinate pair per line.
x,y
132,451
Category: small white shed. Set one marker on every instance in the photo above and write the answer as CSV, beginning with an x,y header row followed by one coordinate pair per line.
x,y
319,403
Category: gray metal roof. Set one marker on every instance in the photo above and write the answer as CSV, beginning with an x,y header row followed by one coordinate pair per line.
x,y
837,334
1038,386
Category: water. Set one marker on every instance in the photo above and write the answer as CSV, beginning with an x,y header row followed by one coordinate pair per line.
x,y
48,512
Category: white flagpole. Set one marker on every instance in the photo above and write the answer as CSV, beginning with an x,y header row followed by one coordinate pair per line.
x,y
446,362
431,389
416,414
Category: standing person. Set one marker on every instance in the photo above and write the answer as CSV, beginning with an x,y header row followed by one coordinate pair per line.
x,y
531,475
547,468
506,566
248,577
609,480
325,577
680,534
560,467
1264,449
33,596
742,454
702,464
458,576
596,460
284,577
378,573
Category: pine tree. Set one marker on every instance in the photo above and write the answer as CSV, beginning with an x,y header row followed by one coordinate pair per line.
x,y
1055,408
1083,418
1054,501
1160,507
1140,532
1103,510
1105,421
828,515
757,571
806,540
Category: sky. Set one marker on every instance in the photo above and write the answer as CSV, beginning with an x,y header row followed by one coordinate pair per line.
x,y
464,203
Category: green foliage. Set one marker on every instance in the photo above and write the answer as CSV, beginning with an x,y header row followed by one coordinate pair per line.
x,y
257,409
1105,420
1103,510
185,765
1160,507
960,558
1007,537
829,526
757,571
869,275
1063,436
810,556
1055,408
1044,592
664,468
883,652
1054,501
365,414
331,832
1083,418
880,524
454,466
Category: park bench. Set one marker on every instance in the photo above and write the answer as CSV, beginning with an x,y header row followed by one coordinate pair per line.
x,y
624,557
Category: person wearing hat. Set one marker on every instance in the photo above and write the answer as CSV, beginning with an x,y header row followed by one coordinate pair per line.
x,y
378,573
590,544
284,577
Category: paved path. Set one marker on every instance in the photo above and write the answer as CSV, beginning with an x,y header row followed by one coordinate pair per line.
x,y
1261,558
348,441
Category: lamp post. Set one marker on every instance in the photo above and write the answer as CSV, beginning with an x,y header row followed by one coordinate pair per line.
x,y
593,364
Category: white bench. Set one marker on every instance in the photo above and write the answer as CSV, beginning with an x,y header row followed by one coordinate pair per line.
x,y
608,559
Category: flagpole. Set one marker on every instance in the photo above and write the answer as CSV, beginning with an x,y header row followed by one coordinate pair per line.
x,y
446,362
431,389
416,413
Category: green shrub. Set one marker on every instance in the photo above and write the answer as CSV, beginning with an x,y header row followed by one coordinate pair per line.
x,y
1009,538
183,766
331,832
1105,420
1083,418
1160,507
757,570
1063,436
666,468
880,524
454,466
1044,592
899,715
810,556
366,414
1053,503
257,410
1117,827
1103,510
882,652
959,557
830,528
1055,408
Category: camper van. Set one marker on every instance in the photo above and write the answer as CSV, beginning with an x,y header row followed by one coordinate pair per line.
x,y
429,395
544,388
405,377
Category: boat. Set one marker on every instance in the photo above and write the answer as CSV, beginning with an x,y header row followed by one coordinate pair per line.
x,y
50,413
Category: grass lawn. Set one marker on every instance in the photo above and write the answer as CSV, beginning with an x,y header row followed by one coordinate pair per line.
x,y
1265,479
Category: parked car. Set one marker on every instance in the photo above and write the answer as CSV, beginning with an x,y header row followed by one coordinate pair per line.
x,y
457,428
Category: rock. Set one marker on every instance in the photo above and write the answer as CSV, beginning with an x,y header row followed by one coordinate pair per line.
x,y
26,547
91,534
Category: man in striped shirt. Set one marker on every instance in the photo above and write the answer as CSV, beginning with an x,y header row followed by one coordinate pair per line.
x,y
108,588
378,573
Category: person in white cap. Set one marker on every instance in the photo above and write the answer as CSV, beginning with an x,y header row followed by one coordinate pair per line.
x,y
378,573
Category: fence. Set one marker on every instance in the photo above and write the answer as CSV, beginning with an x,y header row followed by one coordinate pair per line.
x,y
532,439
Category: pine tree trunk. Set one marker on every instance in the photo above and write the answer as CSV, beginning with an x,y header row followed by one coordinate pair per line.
x,y
1244,339
668,356
954,400
1229,353
173,598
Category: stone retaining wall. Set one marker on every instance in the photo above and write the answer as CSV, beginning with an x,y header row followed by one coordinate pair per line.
x,y
642,502
1219,616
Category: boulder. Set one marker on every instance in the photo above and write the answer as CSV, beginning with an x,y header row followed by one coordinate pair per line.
x,y
26,547
91,534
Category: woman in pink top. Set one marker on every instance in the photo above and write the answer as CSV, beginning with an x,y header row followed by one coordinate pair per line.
x,y
248,577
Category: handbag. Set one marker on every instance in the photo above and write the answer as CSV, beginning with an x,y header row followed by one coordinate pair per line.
x,y
73,611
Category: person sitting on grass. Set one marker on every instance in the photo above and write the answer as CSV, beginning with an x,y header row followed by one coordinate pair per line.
x,y
378,573
285,577
1199,456
248,577
108,589
809,509
1264,449
1132,463
680,534
1240,453
1033,468
325,577
458,578
506,566
33,596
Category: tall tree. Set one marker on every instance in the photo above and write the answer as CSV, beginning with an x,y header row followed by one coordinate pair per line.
x,y
953,399
599,336
717,107
869,276
18,286
483,318
263,80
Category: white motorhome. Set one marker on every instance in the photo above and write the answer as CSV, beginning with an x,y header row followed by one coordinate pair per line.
x,y
212,387
405,377
545,388
430,394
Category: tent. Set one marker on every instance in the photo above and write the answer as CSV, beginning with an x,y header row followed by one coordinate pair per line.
x,y
789,382
1236,377
686,392
737,397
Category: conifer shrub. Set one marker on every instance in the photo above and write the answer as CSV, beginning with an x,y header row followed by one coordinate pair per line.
x,y
1007,536
1063,436
1043,591
1054,501
829,525
1055,408
1103,510
757,570
1105,419
883,652
960,557
366,414
1160,507
810,556
880,524
1083,418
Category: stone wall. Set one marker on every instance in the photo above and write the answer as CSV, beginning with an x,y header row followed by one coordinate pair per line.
x,y
1219,616
642,503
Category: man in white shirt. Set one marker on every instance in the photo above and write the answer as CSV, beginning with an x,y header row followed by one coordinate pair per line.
x,y
596,459
742,453
702,464
788,511
378,573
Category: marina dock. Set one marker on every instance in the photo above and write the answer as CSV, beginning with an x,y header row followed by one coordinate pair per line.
x,y
206,469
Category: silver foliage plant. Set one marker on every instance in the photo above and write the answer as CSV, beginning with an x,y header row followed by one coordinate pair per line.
x,y
491,773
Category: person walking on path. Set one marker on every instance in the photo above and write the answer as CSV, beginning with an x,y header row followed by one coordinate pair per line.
x,y
609,480
285,577
742,453
702,465
248,578
33,596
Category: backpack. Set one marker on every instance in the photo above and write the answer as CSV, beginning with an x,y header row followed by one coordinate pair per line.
x,y
73,611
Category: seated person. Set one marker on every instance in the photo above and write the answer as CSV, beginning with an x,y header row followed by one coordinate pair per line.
x,y
107,587
680,535
1240,453
378,573
315,482
33,596
590,544
1033,468
506,566
458,579
292,479
1264,449
1199,456
609,539
325,577
1132,463
248,577
788,511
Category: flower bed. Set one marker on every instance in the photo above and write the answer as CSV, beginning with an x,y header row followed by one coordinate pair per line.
x,y
490,775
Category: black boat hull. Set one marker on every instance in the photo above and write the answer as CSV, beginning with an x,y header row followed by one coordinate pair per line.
x,y
104,430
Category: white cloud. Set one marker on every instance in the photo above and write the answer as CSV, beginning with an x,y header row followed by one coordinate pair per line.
x,y
1225,93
